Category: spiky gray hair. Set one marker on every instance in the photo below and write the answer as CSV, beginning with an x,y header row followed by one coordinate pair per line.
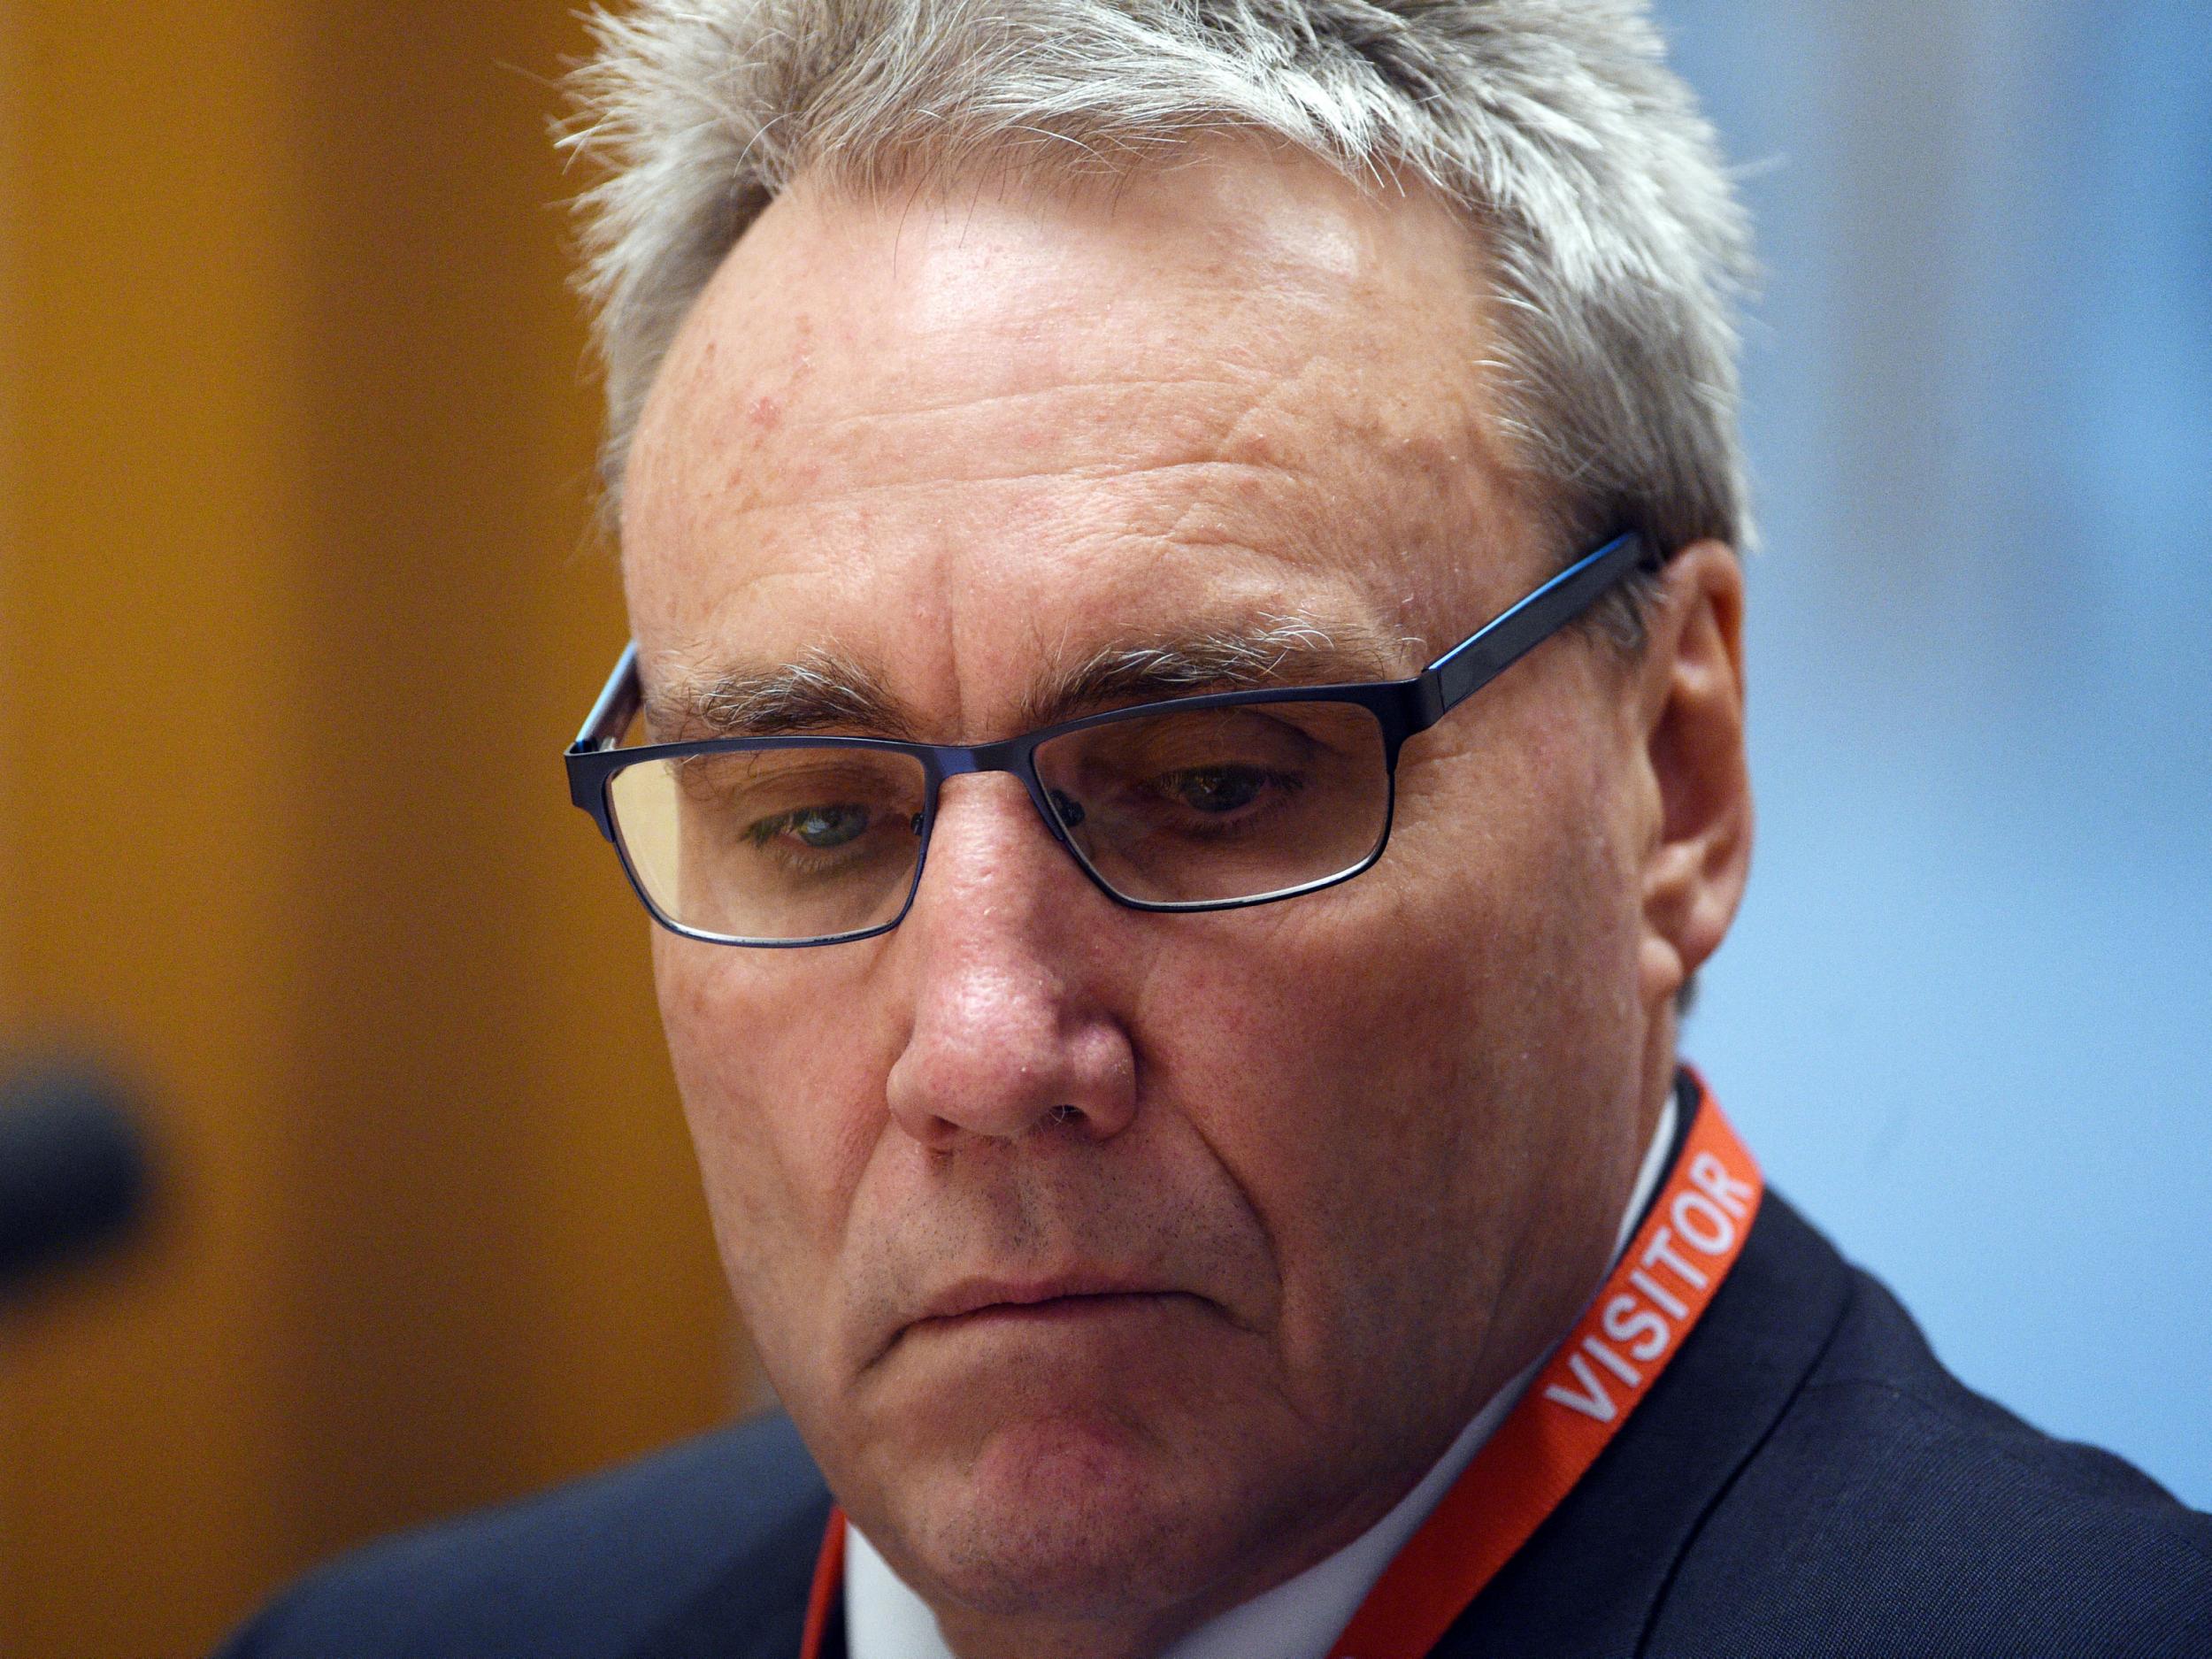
x,y
1611,234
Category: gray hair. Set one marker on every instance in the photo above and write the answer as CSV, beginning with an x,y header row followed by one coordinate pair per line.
x,y
1612,235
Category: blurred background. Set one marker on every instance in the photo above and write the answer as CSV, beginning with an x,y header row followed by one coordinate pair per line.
x,y
1966,1017
298,604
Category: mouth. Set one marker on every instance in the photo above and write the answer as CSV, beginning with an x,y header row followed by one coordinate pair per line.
x,y
975,1303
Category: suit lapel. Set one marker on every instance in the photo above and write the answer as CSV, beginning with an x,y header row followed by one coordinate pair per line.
x,y
1590,1580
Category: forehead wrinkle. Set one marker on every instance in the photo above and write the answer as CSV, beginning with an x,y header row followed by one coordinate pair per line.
x,y
1103,388
867,455
843,495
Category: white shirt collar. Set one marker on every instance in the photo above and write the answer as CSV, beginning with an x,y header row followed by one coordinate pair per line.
x,y
1297,1619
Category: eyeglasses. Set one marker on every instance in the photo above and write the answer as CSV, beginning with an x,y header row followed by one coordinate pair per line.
x,y
1195,803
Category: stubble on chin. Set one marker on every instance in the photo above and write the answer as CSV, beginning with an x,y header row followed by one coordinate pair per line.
x,y
1067,1535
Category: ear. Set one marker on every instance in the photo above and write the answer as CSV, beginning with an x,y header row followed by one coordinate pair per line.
x,y
1696,827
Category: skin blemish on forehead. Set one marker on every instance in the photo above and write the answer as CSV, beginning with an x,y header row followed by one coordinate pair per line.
x,y
1001,385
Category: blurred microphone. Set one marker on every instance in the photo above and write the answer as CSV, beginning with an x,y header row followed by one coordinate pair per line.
x,y
73,1164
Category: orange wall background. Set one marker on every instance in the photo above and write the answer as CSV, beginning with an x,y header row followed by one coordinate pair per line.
x,y
298,604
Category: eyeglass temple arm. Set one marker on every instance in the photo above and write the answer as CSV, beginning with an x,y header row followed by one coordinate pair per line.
x,y
604,727
616,707
1464,669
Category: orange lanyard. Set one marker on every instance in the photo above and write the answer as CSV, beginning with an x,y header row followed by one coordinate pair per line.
x,y
1661,1286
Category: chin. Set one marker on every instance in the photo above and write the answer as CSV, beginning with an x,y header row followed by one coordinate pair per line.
x,y
1070,1517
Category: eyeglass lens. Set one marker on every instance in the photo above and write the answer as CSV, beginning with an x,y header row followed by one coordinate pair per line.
x,y
1184,807
773,844
1220,805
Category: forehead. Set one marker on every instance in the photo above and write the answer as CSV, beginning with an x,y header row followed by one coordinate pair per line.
x,y
965,428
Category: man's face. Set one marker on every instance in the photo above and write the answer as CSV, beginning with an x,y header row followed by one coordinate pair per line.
x,y
1107,1258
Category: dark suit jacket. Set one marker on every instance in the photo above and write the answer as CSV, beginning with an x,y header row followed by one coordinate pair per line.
x,y
1803,1480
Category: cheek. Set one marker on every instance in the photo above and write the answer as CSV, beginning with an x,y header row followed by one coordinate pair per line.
x,y
1308,1052
1409,1075
774,1079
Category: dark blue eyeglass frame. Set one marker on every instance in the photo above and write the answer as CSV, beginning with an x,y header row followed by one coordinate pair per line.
x,y
1401,708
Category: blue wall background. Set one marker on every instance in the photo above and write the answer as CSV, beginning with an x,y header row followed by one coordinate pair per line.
x,y
1966,1014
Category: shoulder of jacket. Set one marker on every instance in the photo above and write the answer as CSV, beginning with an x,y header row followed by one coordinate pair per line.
x,y
585,1570
1891,1504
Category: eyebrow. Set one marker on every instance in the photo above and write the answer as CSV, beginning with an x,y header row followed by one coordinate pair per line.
x,y
827,690
1268,651
823,691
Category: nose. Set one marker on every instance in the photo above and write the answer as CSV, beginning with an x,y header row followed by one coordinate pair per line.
x,y
1012,1028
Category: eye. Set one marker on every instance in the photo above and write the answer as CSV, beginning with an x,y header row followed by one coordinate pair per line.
x,y
819,828
1217,790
